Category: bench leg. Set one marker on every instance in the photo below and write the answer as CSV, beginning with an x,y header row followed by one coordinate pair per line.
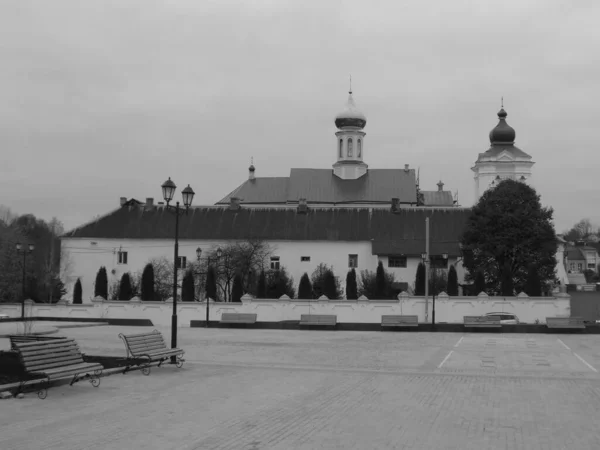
x,y
95,379
180,360
146,370
43,392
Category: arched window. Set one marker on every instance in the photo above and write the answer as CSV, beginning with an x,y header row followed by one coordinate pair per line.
x,y
349,147
341,144
359,151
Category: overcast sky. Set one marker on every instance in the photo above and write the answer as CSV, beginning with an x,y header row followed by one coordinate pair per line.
x,y
101,99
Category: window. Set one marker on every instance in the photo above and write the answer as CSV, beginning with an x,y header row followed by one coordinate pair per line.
x,y
591,266
349,147
352,261
122,257
397,261
305,258
181,262
341,145
275,262
438,262
359,151
572,266
579,267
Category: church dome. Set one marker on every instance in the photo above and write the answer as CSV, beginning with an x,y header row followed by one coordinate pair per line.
x,y
503,132
351,117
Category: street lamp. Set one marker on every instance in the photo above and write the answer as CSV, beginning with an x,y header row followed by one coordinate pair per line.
x,y
29,249
168,189
198,257
427,262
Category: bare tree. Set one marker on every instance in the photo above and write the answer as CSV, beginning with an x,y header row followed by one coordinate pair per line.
x,y
163,277
7,216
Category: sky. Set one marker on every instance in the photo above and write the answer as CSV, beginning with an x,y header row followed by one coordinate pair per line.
x,y
102,99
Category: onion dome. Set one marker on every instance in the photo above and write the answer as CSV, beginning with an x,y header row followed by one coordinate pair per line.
x,y
503,132
351,117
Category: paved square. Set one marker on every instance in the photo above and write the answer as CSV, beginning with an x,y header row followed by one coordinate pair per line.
x,y
276,389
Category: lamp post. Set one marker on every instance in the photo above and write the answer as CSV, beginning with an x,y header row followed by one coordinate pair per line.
x,y
198,257
168,189
29,249
427,263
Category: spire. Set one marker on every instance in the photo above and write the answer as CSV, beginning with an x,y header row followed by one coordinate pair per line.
x,y
440,186
251,169
350,91
502,102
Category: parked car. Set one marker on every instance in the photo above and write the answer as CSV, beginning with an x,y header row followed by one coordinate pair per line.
x,y
505,318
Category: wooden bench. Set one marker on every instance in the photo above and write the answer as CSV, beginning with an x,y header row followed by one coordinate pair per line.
x,y
235,318
53,359
399,321
4,316
30,338
482,322
565,323
323,320
149,348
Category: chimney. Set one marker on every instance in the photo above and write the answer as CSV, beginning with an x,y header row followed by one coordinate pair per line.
x,y
395,204
302,206
149,202
234,203
440,186
123,201
406,167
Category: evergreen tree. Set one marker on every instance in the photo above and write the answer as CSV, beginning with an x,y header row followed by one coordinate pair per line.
x,y
187,287
452,282
480,284
420,280
351,285
237,290
380,282
261,288
211,284
318,277
329,285
125,290
101,286
280,283
305,288
533,288
77,293
148,283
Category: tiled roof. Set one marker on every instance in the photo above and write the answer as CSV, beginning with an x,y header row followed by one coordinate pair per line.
x,y
319,224
260,190
496,149
322,186
437,198
577,253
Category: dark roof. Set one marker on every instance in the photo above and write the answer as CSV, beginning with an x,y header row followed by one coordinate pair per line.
x,y
320,224
576,253
322,186
260,190
496,149
437,198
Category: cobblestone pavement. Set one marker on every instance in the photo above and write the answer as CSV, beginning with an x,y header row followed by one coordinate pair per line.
x,y
274,389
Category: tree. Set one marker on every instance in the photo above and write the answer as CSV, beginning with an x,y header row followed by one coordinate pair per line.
x,y
380,282
507,231
368,284
163,278
211,284
330,287
580,231
533,288
452,282
420,280
187,287
480,284
438,281
125,290
261,288
77,293
305,288
351,285
318,277
148,283
101,285
237,290
506,280
280,283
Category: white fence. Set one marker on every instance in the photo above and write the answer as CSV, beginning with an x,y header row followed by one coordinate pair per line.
x,y
447,309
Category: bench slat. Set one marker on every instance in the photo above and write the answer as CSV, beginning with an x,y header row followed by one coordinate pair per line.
x,y
151,333
66,371
147,338
54,365
29,347
51,358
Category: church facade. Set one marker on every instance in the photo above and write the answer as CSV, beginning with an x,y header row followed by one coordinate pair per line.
x,y
349,216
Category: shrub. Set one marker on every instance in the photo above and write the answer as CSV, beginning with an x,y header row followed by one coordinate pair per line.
x,y
305,288
261,287
187,287
237,290
452,281
533,286
368,284
480,285
280,283
125,290
101,285
211,284
420,280
351,285
148,283
77,293
318,277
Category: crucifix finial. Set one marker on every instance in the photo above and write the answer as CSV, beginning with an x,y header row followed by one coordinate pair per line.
x,y
252,160
502,102
350,91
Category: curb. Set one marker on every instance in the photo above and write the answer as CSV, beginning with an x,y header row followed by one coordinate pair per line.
x,y
35,333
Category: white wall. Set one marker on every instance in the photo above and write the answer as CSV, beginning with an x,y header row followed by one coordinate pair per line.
x,y
449,310
87,258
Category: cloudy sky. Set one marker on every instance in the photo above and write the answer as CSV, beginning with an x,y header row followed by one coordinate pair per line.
x,y
107,98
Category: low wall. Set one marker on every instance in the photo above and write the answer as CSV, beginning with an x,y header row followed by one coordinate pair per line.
x,y
447,309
